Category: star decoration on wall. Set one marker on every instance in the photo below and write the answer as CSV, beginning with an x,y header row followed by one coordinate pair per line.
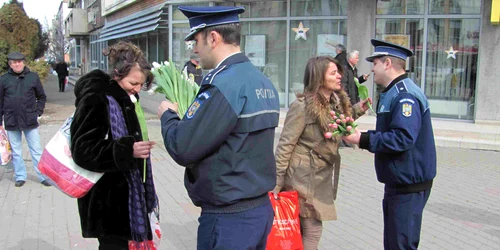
x,y
189,45
301,32
451,53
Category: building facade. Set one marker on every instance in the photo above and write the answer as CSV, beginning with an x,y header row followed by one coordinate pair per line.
x,y
453,41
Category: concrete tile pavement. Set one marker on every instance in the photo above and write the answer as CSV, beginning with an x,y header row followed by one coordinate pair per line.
x,y
462,212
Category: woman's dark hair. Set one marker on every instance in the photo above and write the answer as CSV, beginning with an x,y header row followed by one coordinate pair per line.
x,y
314,75
122,57
314,78
230,33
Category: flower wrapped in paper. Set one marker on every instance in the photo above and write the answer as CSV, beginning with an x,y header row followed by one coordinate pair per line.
x,y
176,86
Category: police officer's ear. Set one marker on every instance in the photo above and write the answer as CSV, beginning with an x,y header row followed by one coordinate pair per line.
x,y
214,38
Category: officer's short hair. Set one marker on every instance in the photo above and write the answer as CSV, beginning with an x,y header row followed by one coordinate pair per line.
x,y
396,62
230,33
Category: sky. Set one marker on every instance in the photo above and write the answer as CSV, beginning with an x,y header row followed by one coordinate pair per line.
x,y
39,9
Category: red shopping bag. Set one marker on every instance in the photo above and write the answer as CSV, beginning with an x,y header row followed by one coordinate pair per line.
x,y
285,234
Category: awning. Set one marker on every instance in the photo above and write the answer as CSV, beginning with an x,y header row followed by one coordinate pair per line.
x,y
140,22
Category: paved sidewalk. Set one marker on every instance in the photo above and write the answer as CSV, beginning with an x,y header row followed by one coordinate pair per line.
x,y
462,212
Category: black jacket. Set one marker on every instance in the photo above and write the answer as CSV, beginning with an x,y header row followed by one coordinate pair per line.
x,y
22,100
197,72
62,70
348,82
104,210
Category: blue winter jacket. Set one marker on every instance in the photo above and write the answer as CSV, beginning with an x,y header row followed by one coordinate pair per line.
x,y
403,142
225,139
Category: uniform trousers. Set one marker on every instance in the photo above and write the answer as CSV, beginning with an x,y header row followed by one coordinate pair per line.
x,y
243,230
403,218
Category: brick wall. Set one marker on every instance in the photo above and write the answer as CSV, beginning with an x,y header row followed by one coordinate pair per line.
x,y
133,8
99,22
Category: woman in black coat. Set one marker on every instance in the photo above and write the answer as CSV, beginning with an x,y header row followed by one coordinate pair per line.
x,y
115,211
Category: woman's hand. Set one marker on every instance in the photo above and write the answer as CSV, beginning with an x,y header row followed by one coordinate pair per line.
x,y
363,103
142,149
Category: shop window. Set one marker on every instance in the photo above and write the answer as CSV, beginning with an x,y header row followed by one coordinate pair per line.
x,y
152,48
319,7
143,45
452,53
181,49
322,37
264,43
454,7
263,9
163,45
400,7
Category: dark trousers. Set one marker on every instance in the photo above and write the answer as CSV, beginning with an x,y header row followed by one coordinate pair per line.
x,y
403,219
112,243
61,83
243,230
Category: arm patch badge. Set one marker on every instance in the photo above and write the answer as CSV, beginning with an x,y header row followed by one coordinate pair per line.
x,y
197,104
406,109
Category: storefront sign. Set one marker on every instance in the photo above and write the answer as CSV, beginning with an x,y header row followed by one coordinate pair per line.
x,y
495,12
403,40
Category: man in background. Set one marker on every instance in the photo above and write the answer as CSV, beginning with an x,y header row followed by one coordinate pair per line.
x,y
341,54
20,111
62,72
351,72
193,69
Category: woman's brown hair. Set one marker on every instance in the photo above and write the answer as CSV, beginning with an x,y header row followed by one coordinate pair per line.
x,y
122,57
314,78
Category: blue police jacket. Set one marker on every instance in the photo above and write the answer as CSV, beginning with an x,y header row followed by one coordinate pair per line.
x,y
403,142
225,139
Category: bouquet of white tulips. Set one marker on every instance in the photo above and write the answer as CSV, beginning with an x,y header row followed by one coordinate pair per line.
x,y
176,86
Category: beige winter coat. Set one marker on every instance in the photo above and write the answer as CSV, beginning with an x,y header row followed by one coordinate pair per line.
x,y
306,161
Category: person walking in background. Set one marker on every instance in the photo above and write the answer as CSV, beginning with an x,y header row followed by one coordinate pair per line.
x,y
193,69
237,108
22,101
351,72
108,136
341,56
304,152
62,72
404,147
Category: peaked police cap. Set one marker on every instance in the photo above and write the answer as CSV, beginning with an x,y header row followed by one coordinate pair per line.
x,y
201,17
383,48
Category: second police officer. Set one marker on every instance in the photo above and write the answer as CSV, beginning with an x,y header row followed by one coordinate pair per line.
x,y
225,139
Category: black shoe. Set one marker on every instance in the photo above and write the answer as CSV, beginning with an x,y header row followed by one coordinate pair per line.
x,y
19,183
46,183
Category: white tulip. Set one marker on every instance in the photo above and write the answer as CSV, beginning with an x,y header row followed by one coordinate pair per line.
x,y
166,63
156,65
133,99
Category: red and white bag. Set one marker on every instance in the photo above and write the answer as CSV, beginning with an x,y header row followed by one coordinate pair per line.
x,y
57,164
285,233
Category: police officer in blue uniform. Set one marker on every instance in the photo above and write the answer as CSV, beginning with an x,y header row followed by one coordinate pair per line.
x,y
403,143
225,139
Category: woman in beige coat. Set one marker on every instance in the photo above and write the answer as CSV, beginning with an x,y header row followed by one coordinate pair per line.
x,y
306,161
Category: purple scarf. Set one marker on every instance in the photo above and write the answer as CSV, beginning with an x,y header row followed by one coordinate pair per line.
x,y
142,198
